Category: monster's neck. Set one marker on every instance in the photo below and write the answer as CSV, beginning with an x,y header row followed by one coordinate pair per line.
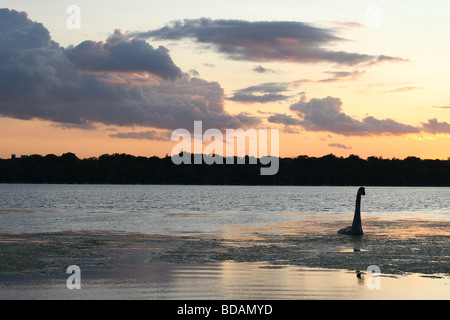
x,y
356,226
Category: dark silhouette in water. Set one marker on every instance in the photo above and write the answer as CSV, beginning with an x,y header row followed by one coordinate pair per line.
x,y
356,228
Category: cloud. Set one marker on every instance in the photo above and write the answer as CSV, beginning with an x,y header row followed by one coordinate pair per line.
x,y
290,123
335,76
383,58
82,126
261,69
40,79
342,75
194,73
145,135
340,146
405,89
121,54
327,115
284,119
433,126
347,25
265,41
265,92
20,33
441,107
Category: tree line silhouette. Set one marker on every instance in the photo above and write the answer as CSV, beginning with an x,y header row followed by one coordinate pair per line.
x,y
302,170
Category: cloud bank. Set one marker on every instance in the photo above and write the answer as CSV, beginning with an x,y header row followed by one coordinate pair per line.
x,y
265,41
124,81
121,81
326,115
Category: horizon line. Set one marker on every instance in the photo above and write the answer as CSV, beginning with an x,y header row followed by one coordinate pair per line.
x,y
14,157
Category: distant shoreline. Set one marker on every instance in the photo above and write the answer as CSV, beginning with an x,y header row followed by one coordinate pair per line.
x,y
219,185
124,169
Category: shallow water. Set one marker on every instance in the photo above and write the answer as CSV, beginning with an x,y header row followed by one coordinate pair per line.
x,y
220,242
229,281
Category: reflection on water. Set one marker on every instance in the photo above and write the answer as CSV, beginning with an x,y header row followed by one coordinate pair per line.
x,y
230,280
185,235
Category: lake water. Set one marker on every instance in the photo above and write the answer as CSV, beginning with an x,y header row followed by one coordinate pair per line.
x,y
168,210
216,242
164,210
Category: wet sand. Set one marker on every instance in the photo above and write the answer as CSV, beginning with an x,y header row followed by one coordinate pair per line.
x,y
295,262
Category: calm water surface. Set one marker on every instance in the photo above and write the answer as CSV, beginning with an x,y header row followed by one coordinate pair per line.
x,y
294,226
161,209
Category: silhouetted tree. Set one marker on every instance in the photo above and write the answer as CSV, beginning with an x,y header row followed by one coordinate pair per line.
x,y
302,170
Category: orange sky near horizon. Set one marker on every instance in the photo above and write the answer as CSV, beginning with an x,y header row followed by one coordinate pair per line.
x,y
21,139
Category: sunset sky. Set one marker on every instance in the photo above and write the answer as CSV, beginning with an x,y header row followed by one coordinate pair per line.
x,y
345,77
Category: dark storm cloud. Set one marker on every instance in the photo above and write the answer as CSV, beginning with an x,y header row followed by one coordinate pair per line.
x,y
265,40
121,54
19,33
40,79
